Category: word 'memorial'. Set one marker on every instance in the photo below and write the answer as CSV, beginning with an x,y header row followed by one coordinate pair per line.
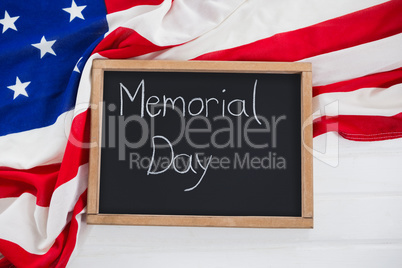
x,y
204,104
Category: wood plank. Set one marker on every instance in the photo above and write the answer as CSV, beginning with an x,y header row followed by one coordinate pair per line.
x,y
337,218
360,170
307,143
349,232
203,66
94,154
171,220
296,255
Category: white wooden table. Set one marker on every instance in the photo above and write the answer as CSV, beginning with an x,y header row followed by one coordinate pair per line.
x,y
358,223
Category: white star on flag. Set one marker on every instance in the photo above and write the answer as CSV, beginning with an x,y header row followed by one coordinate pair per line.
x,y
19,88
75,11
45,47
8,22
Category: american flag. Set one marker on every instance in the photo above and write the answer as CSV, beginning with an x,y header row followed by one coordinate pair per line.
x,y
46,54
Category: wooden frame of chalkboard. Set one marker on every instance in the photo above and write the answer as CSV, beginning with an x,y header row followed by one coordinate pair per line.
x,y
302,92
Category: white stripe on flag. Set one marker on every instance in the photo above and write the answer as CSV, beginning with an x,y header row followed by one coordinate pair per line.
x,y
374,57
168,24
81,220
364,101
126,17
83,98
264,19
36,147
33,227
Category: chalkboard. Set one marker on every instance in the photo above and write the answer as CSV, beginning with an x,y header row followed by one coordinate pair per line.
x,y
201,144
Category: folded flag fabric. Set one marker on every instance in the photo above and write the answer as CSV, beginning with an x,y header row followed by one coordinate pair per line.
x,y
46,54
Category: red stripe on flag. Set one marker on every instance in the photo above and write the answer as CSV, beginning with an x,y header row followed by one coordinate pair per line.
x,y
38,181
4,263
57,256
354,29
77,150
360,127
379,80
43,180
125,43
119,5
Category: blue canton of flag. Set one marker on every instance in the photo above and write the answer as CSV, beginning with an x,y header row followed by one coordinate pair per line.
x,y
43,48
